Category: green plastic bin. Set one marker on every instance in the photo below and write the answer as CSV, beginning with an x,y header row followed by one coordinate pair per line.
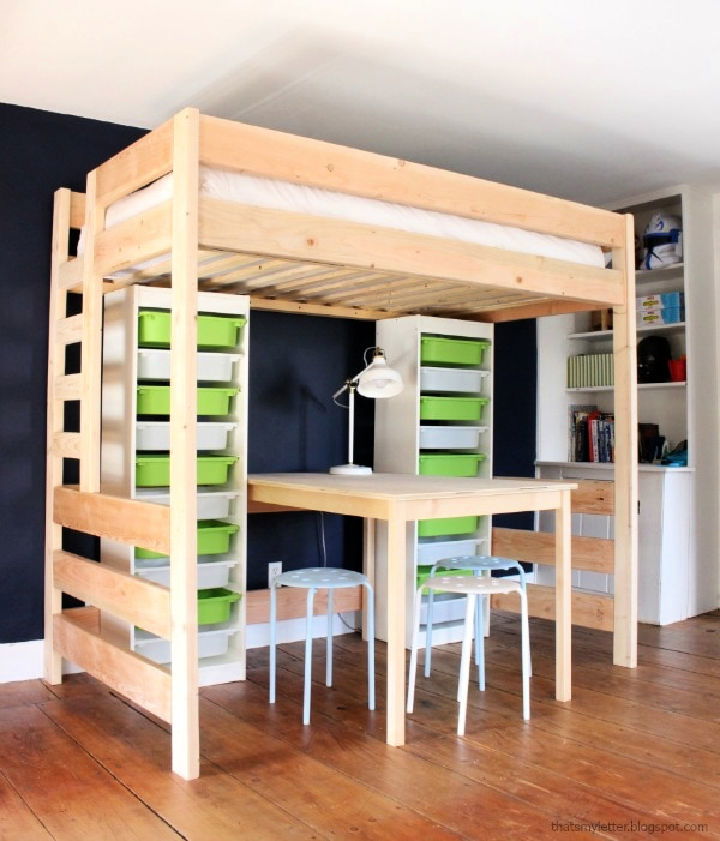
x,y
213,539
214,332
447,526
214,605
212,402
153,471
450,464
435,408
443,350
423,573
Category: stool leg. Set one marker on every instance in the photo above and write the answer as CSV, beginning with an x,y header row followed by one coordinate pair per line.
x,y
308,656
273,615
523,584
480,640
413,651
370,625
525,654
479,630
329,641
465,663
428,633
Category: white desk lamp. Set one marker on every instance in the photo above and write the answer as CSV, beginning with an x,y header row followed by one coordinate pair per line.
x,y
375,380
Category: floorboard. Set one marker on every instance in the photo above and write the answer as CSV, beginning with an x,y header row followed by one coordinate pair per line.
x,y
633,752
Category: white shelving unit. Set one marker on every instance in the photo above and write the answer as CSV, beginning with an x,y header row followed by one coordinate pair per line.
x,y
399,432
678,509
124,435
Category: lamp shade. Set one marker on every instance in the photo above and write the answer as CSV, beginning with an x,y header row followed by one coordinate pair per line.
x,y
378,380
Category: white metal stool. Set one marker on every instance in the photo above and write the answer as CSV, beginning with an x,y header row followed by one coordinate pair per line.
x,y
478,564
472,588
313,579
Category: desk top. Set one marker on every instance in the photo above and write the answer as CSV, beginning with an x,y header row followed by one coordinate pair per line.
x,y
402,487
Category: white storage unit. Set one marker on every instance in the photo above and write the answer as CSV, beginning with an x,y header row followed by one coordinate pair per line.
x,y
401,435
221,649
210,504
452,380
667,585
155,435
451,437
154,364
211,644
210,572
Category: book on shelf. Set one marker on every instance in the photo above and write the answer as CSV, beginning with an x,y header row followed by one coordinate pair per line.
x,y
592,435
587,370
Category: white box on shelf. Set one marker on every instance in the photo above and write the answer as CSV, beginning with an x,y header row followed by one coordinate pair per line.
x,y
209,573
155,435
455,380
210,644
210,506
436,550
451,437
154,364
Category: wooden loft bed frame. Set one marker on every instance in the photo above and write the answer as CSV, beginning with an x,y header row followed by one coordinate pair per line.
x,y
289,262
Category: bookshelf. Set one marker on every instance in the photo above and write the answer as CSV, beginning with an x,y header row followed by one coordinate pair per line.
x,y
678,549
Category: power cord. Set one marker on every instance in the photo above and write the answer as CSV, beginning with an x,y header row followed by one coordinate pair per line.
x,y
322,550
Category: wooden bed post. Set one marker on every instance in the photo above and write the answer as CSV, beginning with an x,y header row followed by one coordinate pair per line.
x,y
55,416
183,454
626,490
92,309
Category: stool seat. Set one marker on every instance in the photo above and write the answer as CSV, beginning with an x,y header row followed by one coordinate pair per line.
x,y
322,578
478,586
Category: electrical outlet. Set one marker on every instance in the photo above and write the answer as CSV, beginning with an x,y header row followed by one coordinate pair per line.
x,y
274,570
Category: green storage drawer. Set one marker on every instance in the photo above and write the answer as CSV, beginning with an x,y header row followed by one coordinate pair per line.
x,y
447,526
423,573
153,471
213,331
213,539
452,408
214,605
212,402
443,350
450,464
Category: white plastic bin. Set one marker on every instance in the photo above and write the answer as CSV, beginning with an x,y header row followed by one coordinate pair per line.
x,y
210,573
450,437
155,435
210,644
436,550
154,364
452,380
210,506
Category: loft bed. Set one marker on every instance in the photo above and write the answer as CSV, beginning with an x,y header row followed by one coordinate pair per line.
x,y
306,227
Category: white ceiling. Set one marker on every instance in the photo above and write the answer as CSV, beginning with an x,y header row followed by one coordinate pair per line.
x,y
589,100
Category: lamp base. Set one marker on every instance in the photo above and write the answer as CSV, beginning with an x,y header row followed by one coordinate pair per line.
x,y
350,470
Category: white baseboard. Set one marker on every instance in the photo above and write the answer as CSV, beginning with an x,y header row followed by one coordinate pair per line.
x,y
24,660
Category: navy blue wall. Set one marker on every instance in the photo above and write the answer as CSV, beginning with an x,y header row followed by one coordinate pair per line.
x,y
296,363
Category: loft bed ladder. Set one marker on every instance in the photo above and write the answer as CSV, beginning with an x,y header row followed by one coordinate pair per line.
x,y
76,634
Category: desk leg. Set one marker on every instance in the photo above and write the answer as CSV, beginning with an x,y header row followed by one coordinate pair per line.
x,y
563,600
396,563
368,566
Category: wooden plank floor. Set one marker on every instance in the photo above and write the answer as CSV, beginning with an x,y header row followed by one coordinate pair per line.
x,y
633,753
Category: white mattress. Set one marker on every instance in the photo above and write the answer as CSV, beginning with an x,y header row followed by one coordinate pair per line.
x,y
282,195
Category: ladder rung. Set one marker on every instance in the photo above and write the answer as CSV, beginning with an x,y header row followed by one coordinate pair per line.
x,y
68,387
71,275
66,444
69,330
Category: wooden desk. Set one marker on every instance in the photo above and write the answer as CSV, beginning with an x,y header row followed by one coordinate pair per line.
x,y
401,498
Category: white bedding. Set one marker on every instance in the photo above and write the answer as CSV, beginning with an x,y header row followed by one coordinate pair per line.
x,y
282,195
